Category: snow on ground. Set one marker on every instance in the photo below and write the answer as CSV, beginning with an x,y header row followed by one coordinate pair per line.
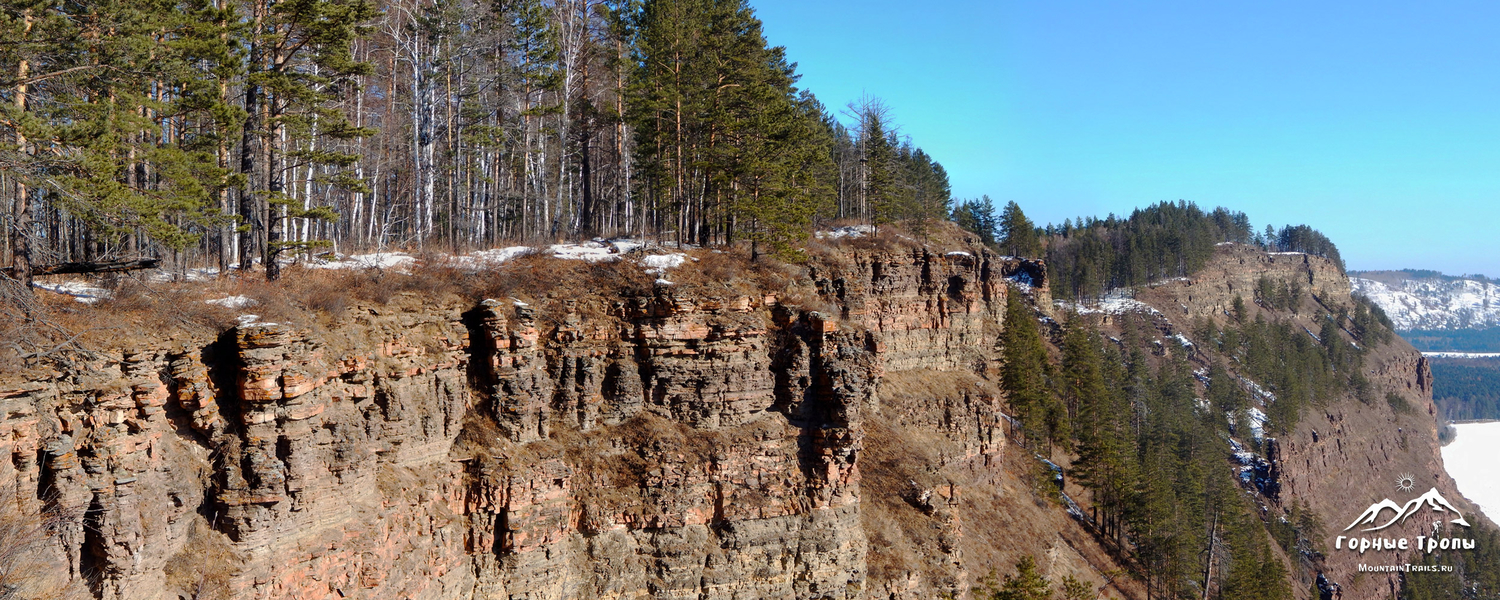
x,y
165,275
1462,354
1115,302
1257,422
1023,279
1161,282
252,321
959,253
1435,303
857,231
493,256
588,251
378,260
659,263
232,302
1260,392
1181,339
79,290
1470,459
598,250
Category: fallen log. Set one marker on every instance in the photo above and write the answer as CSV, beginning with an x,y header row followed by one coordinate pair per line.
x,y
73,268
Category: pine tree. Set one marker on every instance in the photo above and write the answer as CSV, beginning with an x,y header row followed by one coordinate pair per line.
x,y
885,199
1017,233
302,64
1105,449
725,141
1027,584
1025,376
977,216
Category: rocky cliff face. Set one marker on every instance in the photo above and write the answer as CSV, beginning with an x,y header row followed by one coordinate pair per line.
x,y
840,441
1347,455
680,444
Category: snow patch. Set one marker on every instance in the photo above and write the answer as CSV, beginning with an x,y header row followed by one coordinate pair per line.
x,y
657,264
252,321
1116,302
232,302
1024,280
855,232
1257,422
1265,397
493,256
378,260
81,291
625,246
587,251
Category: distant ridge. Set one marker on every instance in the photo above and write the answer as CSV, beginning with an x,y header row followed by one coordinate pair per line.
x,y
1429,300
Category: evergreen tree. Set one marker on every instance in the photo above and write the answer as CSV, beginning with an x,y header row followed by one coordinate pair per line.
x,y
1027,584
978,216
1025,376
885,199
726,141
1017,233
1102,423
301,63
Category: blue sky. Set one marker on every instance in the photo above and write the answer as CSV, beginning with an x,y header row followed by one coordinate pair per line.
x,y
1375,122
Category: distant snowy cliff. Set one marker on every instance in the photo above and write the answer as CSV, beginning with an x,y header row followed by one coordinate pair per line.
x,y
1439,302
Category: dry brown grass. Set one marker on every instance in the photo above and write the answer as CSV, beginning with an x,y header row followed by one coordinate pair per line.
x,y
144,314
30,552
204,567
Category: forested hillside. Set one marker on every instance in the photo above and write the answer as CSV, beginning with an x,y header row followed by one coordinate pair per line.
x,y
212,131
1466,388
1090,256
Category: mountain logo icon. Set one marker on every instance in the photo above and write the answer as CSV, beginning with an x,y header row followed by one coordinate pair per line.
x,y
1432,499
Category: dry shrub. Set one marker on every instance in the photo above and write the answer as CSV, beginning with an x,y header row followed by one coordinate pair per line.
x,y
30,555
204,567
26,332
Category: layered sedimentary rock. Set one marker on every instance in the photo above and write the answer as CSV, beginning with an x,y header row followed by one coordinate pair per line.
x,y
687,442
1344,455
670,445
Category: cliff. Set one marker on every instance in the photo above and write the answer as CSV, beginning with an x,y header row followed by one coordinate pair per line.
x,y
676,441
836,435
1344,455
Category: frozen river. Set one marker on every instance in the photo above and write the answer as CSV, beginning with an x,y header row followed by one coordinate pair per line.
x,y
1473,459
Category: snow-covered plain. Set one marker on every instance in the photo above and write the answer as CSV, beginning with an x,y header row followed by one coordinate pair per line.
x,y
1470,459
1461,354
1435,303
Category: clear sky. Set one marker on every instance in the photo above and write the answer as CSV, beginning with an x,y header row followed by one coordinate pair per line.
x,y
1376,122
